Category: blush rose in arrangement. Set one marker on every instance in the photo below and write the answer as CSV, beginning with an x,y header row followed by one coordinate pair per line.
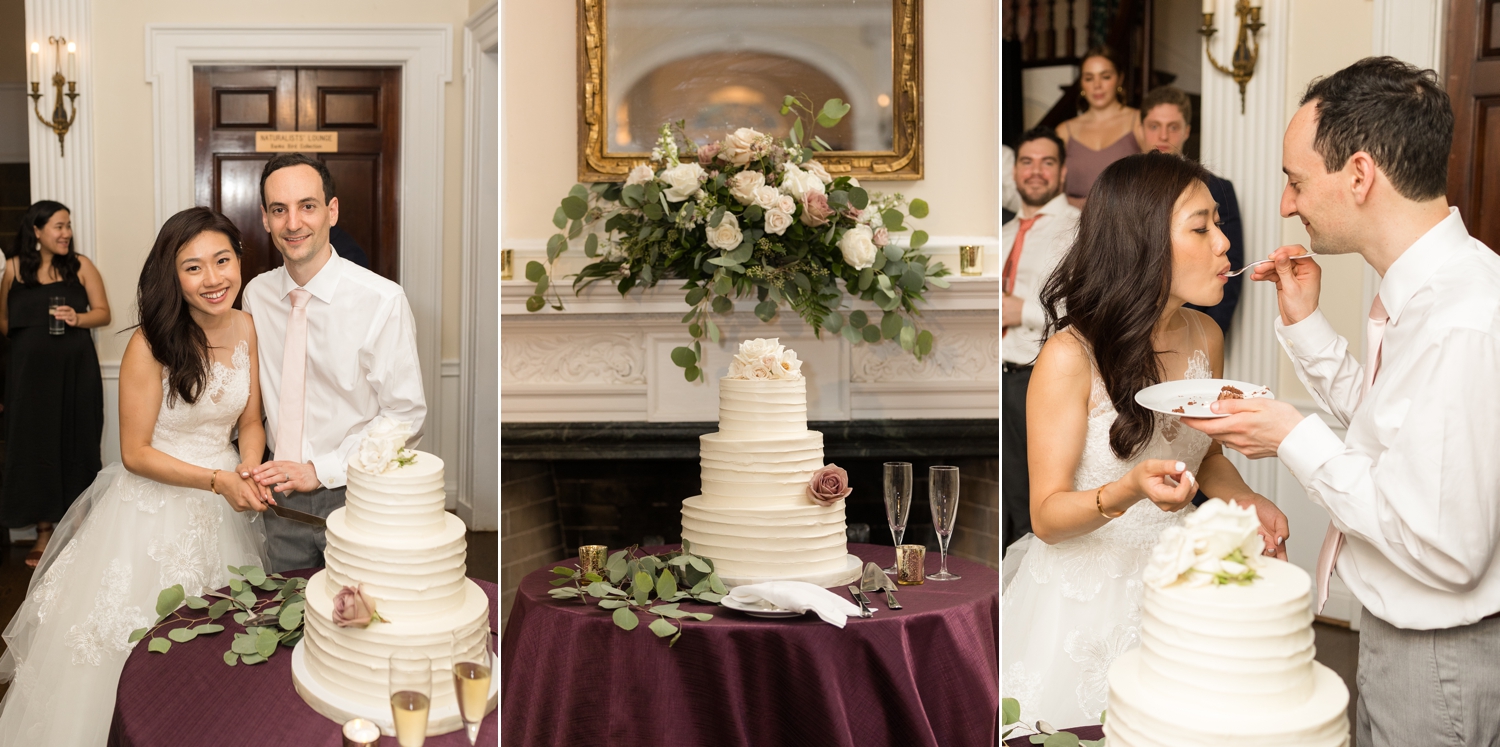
x,y
353,608
752,216
829,485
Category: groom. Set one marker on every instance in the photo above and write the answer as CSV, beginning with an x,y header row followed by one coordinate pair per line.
x,y
337,350
1414,489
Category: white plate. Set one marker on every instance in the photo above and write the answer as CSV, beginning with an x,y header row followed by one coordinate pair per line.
x,y
1191,397
759,609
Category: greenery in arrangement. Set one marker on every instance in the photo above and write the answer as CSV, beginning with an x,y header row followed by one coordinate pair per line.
x,y
1233,569
279,616
629,584
1044,735
752,216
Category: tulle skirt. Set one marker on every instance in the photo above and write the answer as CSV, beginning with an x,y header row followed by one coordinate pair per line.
x,y
124,540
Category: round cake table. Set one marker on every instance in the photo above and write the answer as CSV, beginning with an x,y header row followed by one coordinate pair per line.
x,y
189,697
922,676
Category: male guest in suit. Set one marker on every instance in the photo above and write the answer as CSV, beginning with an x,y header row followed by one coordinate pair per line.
x,y
1033,242
1166,112
337,350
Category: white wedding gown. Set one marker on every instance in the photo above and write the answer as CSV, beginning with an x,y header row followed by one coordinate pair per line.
x,y
1075,606
124,540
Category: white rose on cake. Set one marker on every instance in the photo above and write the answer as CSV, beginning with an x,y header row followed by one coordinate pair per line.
x,y
727,236
1218,543
1219,528
682,181
382,445
761,359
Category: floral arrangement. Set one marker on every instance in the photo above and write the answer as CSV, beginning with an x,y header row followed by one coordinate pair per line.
x,y
763,360
1217,544
353,608
628,583
751,215
269,623
384,446
829,485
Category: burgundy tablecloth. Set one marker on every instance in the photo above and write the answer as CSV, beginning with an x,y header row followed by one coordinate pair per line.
x,y
1082,732
189,697
923,676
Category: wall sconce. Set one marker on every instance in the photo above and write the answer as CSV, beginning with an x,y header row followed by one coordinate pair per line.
x,y
61,120
1243,65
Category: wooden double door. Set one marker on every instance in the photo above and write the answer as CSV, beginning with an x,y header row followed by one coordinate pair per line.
x,y
363,105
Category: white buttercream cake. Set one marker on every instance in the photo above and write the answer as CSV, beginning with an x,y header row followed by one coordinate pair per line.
x,y
393,537
755,519
1224,663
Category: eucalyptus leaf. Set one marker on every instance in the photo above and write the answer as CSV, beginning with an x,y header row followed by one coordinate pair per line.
x,y
1061,739
890,325
683,357
535,303
715,585
241,617
753,213
169,599
613,604
858,319
236,585
255,658
633,195
265,643
575,230
691,373
713,332
833,322
892,219
159,645
766,310
626,619
542,285
662,628
797,131
700,564
918,208
182,635
695,296
564,571
722,305
289,619
209,629
591,245
556,245
666,585
702,616
918,239
137,634
711,597
641,587
196,603
851,333
716,217
723,285
908,338
231,658
872,333
579,191
253,574
243,644
559,218
892,252
924,342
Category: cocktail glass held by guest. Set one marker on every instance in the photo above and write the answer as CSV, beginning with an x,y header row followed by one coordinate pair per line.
x,y
942,495
897,500
411,696
472,658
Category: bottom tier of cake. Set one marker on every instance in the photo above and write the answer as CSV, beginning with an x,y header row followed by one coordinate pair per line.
x,y
338,670
751,545
1138,716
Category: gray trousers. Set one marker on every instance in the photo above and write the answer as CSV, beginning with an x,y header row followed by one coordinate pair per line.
x,y
1434,688
292,545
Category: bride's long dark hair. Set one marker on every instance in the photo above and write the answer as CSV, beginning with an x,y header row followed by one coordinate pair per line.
x,y
1112,286
177,342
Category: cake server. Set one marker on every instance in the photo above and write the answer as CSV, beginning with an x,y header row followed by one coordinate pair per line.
x,y
875,579
890,592
864,603
302,516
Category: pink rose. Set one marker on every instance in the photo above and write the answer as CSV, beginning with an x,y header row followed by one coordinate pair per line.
x,y
882,236
706,153
853,213
815,210
352,608
829,485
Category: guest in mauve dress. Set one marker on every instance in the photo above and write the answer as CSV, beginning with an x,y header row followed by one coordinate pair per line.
x,y
1103,133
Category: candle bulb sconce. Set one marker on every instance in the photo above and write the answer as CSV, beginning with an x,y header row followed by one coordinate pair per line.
x,y
62,118
1246,46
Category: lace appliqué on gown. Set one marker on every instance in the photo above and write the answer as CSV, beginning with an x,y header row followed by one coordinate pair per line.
x,y
108,627
1095,654
46,594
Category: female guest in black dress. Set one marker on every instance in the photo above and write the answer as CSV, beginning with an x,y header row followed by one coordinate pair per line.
x,y
54,395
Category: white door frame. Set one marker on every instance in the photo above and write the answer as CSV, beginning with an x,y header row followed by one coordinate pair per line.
x,y
424,52
479,385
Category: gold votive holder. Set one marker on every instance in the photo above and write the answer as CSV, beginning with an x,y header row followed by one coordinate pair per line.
x,y
970,260
909,564
591,558
507,264
361,732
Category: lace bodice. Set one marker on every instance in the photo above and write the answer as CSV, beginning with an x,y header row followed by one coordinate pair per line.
x,y
198,432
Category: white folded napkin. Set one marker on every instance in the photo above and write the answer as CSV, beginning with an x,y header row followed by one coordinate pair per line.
x,y
800,596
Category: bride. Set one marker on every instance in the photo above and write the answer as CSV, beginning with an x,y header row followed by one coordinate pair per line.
x,y
173,514
1107,475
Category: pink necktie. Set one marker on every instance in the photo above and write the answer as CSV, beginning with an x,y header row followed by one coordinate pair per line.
x,y
1333,541
293,376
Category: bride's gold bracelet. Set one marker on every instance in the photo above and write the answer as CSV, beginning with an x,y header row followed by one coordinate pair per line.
x,y
1099,503
211,480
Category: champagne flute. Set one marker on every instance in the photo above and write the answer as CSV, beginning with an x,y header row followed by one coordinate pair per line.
x,y
411,696
897,500
471,678
942,496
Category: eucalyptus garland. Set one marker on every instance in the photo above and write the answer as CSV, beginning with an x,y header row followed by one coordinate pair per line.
x,y
274,622
629,584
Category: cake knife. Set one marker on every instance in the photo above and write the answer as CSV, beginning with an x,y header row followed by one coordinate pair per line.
x,y
864,604
295,515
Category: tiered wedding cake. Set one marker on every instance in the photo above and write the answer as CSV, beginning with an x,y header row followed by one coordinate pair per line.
x,y
1222,661
393,538
755,519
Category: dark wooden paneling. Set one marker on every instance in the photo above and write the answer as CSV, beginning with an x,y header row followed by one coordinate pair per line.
x,y
358,180
237,196
245,108
1473,84
350,108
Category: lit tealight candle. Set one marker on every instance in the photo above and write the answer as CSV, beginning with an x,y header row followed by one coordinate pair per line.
x,y
361,733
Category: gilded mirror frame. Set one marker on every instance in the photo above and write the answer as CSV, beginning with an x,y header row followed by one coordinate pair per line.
x,y
902,162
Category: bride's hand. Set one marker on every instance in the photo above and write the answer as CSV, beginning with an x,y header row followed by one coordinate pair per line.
x,y
1273,525
242,494
1165,482
244,471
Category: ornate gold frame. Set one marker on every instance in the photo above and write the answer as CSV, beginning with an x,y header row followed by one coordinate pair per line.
x,y
903,162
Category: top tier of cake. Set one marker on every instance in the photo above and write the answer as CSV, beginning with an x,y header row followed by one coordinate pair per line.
x,y
762,409
403,501
1251,645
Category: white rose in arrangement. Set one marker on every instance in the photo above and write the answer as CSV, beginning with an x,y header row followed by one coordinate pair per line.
x,y
787,205
796,182
640,175
727,236
742,186
818,170
858,247
777,221
682,181
738,147
766,197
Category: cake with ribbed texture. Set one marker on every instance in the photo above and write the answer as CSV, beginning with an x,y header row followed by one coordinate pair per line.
x,y
754,518
393,539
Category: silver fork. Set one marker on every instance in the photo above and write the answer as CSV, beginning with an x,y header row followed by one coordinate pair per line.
x,y
1261,262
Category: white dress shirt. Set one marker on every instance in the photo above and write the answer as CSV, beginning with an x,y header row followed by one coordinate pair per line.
x,y
361,359
1045,244
1415,487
